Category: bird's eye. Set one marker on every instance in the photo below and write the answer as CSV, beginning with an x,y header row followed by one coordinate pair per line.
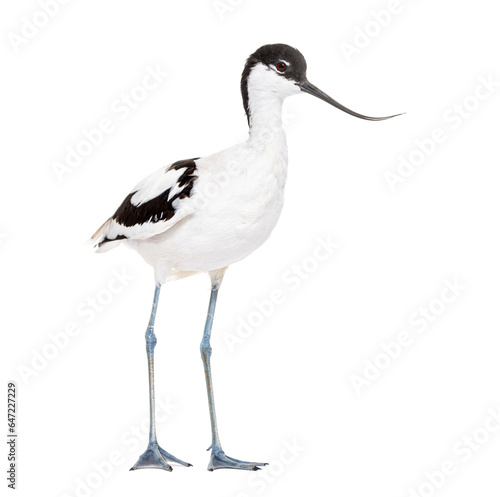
x,y
281,66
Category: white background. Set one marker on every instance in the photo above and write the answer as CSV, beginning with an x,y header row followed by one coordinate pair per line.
x,y
291,380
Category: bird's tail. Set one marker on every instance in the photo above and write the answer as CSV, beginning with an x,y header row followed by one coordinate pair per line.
x,y
100,240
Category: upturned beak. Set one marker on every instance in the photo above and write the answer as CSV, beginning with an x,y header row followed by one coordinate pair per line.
x,y
313,90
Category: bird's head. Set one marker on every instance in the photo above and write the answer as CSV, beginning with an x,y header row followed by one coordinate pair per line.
x,y
279,70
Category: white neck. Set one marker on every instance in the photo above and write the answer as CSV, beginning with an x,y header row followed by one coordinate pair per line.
x,y
265,103
266,126
267,139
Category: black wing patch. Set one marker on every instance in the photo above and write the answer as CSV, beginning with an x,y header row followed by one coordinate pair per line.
x,y
106,239
159,208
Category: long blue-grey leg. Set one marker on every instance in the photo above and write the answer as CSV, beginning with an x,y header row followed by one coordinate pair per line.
x,y
218,458
154,456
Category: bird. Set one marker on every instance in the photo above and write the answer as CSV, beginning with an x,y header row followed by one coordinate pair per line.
x,y
201,215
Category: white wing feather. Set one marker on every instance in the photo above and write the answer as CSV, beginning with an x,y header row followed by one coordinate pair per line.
x,y
148,189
